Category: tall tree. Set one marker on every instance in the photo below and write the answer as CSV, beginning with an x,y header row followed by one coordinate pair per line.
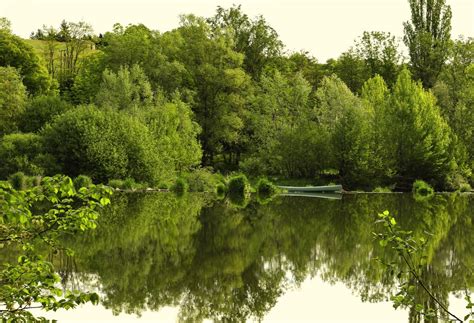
x,y
344,117
418,138
427,37
257,40
219,85
75,36
380,52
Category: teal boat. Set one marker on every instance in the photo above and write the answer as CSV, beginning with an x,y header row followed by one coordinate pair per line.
x,y
329,196
314,189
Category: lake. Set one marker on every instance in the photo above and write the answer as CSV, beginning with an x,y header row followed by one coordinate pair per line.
x,y
159,257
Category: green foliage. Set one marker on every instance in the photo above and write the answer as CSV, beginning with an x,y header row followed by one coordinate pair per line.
x,y
16,53
279,128
221,189
465,188
116,183
265,188
18,181
175,131
82,181
413,252
416,136
351,69
427,37
41,110
201,180
238,185
38,216
12,99
254,38
33,181
88,79
455,93
379,189
130,184
422,188
181,186
379,50
127,90
104,145
22,152
345,118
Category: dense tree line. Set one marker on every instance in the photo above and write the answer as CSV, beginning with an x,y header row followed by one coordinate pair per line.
x,y
222,92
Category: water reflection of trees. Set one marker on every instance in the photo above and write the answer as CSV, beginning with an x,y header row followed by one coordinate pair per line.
x,y
229,263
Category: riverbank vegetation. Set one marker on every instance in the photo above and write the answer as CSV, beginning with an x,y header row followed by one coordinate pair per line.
x,y
222,94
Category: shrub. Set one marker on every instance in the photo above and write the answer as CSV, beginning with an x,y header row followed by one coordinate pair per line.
x,y
201,180
465,188
21,152
116,183
41,110
33,181
181,185
221,189
379,189
239,185
238,200
18,181
82,181
420,187
105,144
265,188
130,184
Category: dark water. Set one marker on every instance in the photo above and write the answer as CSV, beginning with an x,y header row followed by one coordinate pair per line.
x,y
213,260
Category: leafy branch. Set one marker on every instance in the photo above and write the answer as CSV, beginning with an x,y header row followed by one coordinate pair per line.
x,y
37,217
413,253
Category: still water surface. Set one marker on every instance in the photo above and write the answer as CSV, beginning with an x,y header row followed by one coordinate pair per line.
x,y
158,257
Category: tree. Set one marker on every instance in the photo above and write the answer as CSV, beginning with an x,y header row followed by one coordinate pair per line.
x,y
219,86
344,117
16,53
350,68
375,95
427,37
176,133
88,79
125,90
254,38
75,36
279,105
12,99
417,136
380,52
455,93
5,24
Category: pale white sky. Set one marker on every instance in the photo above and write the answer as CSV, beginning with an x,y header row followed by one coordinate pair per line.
x,y
325,28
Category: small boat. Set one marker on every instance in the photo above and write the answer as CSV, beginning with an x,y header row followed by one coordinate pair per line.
x,y
319,189
329,196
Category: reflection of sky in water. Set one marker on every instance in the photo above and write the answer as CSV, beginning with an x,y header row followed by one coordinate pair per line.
x,y
315,301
